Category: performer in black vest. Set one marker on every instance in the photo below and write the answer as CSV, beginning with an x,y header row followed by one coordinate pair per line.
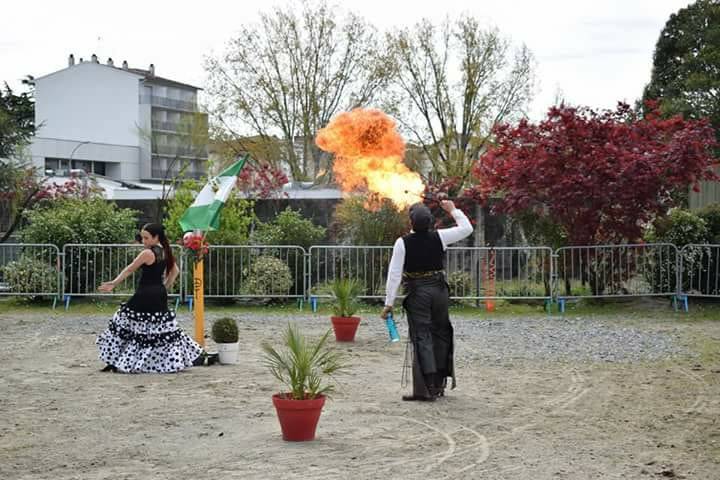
x,y
418,260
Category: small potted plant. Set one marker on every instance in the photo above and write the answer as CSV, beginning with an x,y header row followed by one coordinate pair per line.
x,y
306,369
345,293
225,335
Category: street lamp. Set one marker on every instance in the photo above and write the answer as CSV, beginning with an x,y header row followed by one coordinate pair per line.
x,y
84,177
73,152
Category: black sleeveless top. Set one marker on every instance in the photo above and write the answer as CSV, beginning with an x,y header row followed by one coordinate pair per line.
x,y
150,295
423,252
153,274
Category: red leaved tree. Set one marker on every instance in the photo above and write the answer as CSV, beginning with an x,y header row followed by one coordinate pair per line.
x,y
596,177
262,180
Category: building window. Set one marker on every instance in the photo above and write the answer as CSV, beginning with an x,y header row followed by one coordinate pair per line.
x,y
52,164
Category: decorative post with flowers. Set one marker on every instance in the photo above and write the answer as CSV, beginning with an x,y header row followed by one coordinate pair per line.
x,y
204,216
196,248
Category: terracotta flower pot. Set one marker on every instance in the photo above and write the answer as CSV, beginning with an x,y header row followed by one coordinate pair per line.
x,y
298,418
345,328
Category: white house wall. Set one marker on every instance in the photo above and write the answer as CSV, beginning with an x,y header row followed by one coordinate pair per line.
x,y
123,160
89,102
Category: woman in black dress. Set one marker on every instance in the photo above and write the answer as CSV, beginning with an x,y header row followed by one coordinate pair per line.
x,y
143,335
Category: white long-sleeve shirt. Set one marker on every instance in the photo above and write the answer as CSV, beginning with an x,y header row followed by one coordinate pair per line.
x,y
448,236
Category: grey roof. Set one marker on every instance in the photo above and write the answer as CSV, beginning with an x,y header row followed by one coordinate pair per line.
x,y
159,80
145,74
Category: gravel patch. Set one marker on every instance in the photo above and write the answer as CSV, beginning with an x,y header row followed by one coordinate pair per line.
x,y
592,339
587,340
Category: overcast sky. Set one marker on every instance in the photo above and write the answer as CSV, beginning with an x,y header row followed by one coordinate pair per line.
x,y
595,52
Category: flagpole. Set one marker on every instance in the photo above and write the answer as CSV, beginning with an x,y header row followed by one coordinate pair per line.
x,y
204,215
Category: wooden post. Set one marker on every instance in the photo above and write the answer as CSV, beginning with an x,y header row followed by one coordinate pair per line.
x,y
199,302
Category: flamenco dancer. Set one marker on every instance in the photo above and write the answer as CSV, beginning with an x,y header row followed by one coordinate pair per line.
x,y
143,335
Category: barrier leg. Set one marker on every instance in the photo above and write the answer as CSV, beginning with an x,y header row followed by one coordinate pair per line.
x,y
67,302
561,305
300,303
314,304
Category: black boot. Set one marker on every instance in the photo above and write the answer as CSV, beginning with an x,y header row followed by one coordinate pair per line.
x,y
109,368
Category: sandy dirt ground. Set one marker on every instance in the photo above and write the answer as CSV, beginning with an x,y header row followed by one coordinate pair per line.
x,y
514,415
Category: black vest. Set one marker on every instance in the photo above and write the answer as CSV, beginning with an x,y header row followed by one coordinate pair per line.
x,y
423,252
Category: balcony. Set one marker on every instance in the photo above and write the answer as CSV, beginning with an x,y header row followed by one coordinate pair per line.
x,y
180,151
164,168
184,128
170,103
172,127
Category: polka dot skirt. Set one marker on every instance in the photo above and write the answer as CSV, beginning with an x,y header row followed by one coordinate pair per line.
x,y
137,342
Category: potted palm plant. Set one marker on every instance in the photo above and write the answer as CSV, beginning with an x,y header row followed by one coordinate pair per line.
x,y
345,293
225,335
306,369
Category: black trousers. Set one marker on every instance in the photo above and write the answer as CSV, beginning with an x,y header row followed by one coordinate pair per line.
x,y
431,334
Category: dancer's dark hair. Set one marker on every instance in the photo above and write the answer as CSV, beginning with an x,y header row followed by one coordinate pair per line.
x,y
157,230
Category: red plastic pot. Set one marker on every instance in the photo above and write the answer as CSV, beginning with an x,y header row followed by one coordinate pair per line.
x,y
345,328
298,418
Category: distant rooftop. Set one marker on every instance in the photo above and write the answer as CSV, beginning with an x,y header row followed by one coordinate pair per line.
x,y
136,190
147,75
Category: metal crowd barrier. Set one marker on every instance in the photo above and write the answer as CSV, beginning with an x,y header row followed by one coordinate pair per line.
x,y
86,266
483,273
30,269
366,264
251,271
700,270
473,273
603,271
282,271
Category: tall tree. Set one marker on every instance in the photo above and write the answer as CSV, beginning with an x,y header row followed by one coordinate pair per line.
x,y
686,64
454,82
17,121
288,75
594,177
18,182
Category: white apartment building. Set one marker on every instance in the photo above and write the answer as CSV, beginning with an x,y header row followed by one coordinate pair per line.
x,y
121,123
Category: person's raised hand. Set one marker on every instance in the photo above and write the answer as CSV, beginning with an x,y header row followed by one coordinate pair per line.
x,y
447,205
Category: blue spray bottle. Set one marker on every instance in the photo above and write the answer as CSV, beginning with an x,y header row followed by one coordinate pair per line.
x,y
392,329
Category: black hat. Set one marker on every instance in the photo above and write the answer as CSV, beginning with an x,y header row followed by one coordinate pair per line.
x,y
420,217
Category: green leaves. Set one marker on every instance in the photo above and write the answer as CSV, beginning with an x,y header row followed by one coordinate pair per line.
x,y
345,292
360,226
79,221
225,330
686,64
267,276
17,121
289,228
28,274
305,367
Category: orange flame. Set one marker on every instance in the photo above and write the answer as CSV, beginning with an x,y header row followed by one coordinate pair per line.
x,y
369,154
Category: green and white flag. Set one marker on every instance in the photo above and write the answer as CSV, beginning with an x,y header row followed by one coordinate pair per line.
x,y
204,213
